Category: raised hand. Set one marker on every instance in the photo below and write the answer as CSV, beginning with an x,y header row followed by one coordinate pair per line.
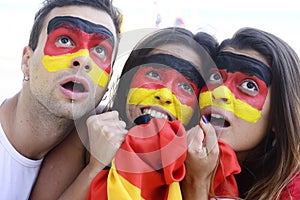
x,y
106,134
201,161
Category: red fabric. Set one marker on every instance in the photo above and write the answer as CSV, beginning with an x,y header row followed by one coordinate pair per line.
x,y
224,182
98,186
293,189
151,158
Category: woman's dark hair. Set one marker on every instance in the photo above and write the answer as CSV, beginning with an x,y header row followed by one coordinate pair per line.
x,y
208,42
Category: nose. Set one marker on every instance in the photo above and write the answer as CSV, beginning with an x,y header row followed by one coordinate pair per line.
x,y
81,62
221,95
164,96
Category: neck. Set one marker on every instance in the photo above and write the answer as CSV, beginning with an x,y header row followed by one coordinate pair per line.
x,y
31,129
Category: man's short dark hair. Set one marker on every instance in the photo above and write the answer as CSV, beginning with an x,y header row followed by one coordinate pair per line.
x,y
48,5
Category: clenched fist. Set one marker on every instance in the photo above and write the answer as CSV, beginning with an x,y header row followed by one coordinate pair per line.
x,y
106,134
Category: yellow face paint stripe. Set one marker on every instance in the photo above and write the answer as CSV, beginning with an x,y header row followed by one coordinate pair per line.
x,y
145,97
239,108
63,62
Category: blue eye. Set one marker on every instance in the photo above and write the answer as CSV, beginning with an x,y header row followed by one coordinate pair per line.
x,y
216,77
153,75
64,41
100,51
187,87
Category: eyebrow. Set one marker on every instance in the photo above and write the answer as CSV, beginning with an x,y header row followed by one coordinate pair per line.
x,y
247,65
86,26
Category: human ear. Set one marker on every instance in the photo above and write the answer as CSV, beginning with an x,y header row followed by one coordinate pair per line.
x,y
27,53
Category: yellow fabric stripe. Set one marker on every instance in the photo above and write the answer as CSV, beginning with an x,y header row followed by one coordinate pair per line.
x,y
142,96
174,191
239,108
63,62
119,188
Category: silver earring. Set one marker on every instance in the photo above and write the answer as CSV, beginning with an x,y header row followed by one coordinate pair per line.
x,y
26,78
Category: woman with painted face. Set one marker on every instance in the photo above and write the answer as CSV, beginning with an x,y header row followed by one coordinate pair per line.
x,y
252,101
157,98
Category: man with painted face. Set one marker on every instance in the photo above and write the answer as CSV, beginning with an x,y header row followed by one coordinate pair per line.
x,y
66,68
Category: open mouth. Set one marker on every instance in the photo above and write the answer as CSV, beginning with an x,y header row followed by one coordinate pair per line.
x,y
74,87
218,120
157,113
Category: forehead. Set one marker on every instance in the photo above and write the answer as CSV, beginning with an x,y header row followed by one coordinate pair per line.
x,y
180,51
93,15
245,64
247,52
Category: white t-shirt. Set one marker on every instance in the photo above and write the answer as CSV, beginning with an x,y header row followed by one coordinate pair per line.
x,y
17,173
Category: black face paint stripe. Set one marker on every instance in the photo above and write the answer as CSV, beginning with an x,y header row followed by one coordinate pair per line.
x,y
182,66
86,26
247,65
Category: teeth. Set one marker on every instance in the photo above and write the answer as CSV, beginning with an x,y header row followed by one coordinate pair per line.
x,y
217,116
155,113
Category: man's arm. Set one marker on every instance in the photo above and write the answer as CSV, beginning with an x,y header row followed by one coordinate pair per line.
x,y
65,174
60,168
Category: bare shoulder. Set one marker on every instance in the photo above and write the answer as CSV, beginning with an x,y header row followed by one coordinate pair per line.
x,y
60,168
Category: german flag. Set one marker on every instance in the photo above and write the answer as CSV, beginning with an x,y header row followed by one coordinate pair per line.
x,y
148,165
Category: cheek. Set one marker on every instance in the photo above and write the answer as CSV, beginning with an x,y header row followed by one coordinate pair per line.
x,y
35,60
100,91
37,71
244,136
187,99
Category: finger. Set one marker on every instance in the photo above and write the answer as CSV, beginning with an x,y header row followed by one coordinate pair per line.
x,y
195,137
112,115
108,115
111,132
211,140
102,118
113,123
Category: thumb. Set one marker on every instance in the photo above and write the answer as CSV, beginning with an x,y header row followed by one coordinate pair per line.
x,y
195,137
211,140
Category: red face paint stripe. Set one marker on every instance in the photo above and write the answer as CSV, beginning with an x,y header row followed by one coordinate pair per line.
x,y
167,78
79,40
233,82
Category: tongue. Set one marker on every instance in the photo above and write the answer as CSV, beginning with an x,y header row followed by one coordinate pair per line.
x,y
75,87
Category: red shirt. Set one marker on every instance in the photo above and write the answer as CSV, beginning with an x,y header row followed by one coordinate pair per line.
x,y
293,189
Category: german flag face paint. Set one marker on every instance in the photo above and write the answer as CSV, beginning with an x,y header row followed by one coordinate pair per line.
x,y
155,85
72,37
240,86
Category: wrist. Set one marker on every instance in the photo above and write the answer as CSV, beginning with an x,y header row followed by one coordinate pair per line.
x,y
195,188
93,168
197,183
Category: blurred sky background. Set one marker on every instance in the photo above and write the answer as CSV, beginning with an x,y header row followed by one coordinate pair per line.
x,y
218,17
